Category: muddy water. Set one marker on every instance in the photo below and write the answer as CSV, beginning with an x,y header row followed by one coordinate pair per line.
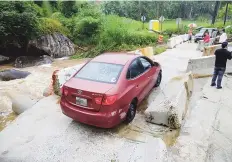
x,y
33,85
6,120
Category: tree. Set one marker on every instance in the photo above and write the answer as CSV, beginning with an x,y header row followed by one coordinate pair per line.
x,y
215,12
68,8
18,24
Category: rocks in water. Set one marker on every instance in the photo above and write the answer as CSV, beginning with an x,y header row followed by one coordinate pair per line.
x,y
3,58
55,45
27,61
20,102
12,74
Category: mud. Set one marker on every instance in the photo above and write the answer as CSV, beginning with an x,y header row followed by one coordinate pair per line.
x,y
6,119
32,84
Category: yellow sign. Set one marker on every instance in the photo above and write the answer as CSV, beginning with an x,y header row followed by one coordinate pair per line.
x,y
154,25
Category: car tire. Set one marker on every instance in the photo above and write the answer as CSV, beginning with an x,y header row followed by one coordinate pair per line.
x,y
131,112
158,80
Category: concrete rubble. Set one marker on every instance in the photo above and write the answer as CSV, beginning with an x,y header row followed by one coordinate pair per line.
x,y
205,136
62,76
21,102
171,105
203,66
51,136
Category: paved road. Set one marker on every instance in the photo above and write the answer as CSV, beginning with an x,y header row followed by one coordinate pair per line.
x,y
174,61
43,133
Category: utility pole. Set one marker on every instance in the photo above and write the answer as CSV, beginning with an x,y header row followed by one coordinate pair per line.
x,y
226,13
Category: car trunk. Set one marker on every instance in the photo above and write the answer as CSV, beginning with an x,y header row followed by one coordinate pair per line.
x,y
82,93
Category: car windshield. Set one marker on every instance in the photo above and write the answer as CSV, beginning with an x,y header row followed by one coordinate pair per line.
x,y
202,30
100,72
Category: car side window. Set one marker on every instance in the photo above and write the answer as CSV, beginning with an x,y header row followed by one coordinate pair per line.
x,y
135,69
146,64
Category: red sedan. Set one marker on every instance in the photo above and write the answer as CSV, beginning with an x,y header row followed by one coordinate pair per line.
x,y
108,89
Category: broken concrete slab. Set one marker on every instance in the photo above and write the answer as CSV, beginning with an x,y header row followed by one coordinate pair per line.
x,y
171,105
201,44
61,76
54,137
20,102
205,65
209,51
207,138
174,41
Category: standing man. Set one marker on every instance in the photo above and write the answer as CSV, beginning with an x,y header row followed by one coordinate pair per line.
x,y
223,37
221,56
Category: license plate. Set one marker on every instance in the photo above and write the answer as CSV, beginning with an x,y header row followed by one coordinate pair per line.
x,y
81,101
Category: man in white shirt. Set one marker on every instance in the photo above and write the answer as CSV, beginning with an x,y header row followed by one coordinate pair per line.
x,y
223,37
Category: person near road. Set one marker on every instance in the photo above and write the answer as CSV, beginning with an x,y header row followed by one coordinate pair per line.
x,y
223,37
190,33
221,57
206,39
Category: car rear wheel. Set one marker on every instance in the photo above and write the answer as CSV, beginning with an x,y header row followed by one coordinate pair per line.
x,y
158,81
131,112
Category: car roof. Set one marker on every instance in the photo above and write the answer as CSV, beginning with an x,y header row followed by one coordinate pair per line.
x,y
115,58
209,28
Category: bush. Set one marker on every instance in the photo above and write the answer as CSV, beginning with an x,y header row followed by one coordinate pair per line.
x,y
120,34
19,23
86,30
49,26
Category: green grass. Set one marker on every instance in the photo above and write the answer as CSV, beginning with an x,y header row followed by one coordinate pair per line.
x,y
159,50
171,24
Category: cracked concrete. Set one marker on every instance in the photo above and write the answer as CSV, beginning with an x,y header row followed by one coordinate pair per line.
x,y
206,135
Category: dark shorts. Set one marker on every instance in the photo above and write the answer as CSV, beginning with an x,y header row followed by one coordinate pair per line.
x,y
190,37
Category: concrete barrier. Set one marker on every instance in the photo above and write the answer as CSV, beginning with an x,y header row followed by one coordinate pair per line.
x,y
170,106
209,51
172,42
201,45
59,77
185,37
20,101
204,66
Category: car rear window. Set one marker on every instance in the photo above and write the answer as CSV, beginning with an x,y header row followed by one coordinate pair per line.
x,y
100,72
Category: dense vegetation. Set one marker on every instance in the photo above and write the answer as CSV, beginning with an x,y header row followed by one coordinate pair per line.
x,y
108,26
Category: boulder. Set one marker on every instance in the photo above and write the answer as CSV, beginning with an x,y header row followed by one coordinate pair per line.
x,y
12,74
55,45
170,106
27,61
3,58
21,102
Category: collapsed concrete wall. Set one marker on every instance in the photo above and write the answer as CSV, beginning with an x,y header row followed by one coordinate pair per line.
x,y
174,41
59,77
204,65
201,45
170,106
209,51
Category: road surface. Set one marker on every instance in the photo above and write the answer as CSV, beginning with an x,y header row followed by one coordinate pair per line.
x,y
44,134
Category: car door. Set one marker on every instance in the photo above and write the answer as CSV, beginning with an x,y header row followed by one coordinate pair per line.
x,y
149,72
136,79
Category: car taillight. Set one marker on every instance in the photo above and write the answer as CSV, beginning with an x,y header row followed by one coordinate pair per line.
x,y
98,100
109,100
64,91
